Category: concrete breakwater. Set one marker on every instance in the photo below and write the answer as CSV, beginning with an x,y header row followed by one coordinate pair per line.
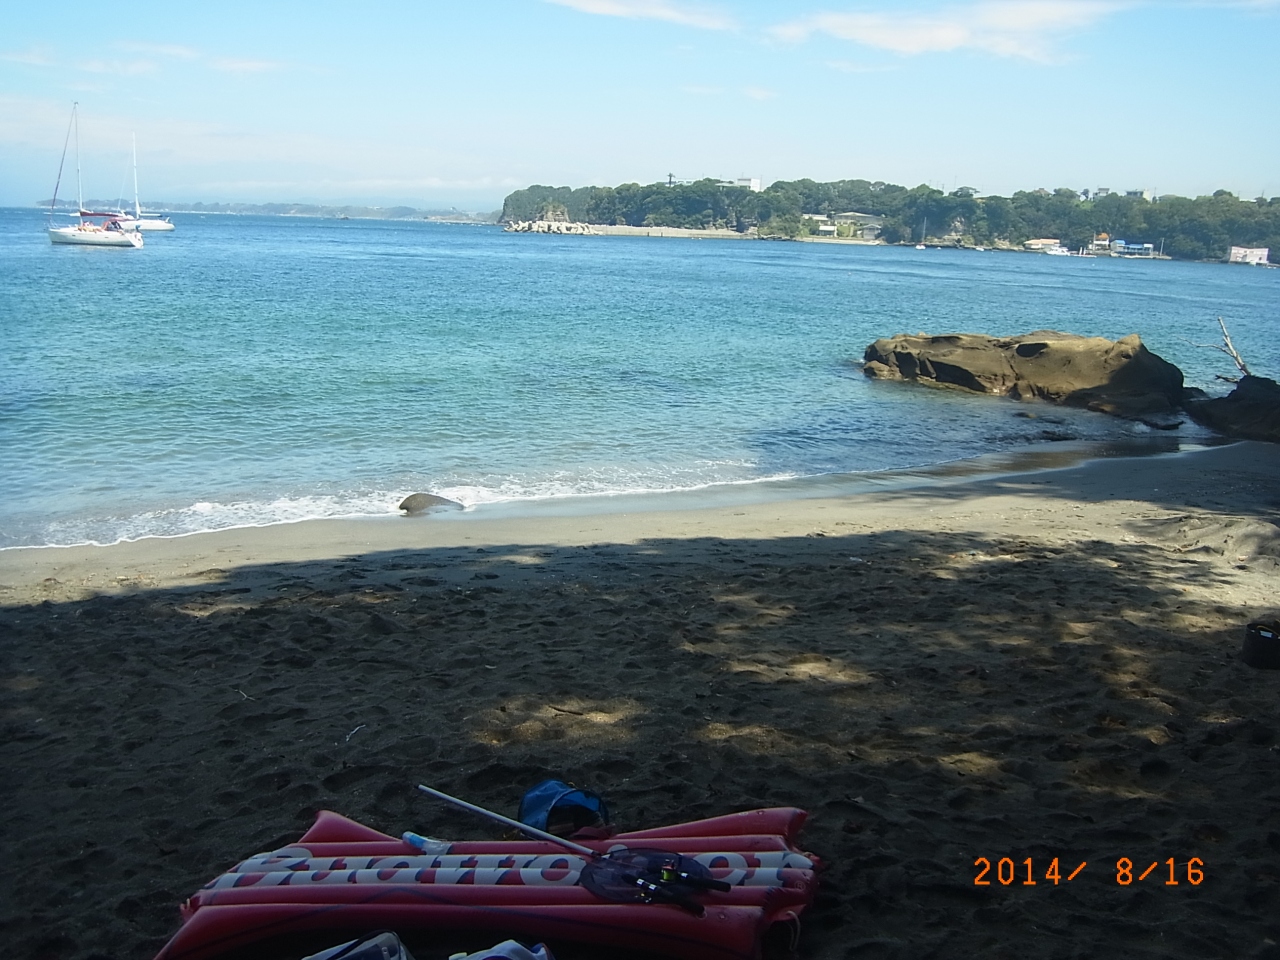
x,y
551,226
625,230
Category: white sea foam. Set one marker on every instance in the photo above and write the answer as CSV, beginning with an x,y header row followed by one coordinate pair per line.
x,y
557,488
207,516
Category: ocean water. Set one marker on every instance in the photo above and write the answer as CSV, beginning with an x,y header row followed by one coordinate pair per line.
x,y
258,370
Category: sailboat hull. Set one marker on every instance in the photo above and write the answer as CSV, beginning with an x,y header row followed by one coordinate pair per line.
x,y
94,237
146,224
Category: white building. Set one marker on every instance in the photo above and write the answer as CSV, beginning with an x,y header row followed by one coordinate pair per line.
x,y
1122,248
1254,255
751,183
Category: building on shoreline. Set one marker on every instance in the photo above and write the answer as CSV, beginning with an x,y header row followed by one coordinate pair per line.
x,y
1122,248
846,226
1257,256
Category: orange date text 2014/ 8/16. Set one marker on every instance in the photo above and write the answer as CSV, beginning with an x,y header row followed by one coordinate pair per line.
x,y
1024,873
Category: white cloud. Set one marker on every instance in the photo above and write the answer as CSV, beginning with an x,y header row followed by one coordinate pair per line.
x,y
670,12
31,122
1008,28
846,66
170,50
133,66
124,68
228,65
35,57
759,93
173,51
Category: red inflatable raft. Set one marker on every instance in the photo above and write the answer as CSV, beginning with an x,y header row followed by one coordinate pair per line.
x,y
342,876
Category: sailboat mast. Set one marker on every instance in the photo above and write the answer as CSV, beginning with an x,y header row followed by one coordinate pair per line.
x,y
61,163
79,189
137,210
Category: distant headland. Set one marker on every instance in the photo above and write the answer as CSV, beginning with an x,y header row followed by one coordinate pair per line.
x,y
346,211
1061,220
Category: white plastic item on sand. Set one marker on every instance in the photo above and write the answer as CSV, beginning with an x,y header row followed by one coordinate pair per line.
x,y
508,950
381,946
432,846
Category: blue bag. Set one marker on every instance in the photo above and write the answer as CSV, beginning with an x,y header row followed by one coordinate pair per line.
x,y
561,808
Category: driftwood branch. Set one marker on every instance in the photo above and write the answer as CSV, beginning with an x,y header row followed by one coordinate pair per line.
x,y
1226,347
1229,349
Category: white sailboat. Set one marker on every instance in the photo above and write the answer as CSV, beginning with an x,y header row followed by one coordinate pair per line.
x,y
138,221
86,233
923,227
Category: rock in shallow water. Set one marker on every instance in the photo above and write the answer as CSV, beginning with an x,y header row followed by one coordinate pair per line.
x,y
1251,411
1120,377
421,502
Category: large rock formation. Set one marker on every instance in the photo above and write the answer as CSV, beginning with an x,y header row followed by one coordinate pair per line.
x,y
1251,411
1120,377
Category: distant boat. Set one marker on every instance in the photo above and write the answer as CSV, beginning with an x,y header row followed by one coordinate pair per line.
x,y
138,221
86,233
923,227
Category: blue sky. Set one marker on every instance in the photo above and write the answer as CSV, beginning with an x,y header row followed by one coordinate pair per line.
x,y
439,104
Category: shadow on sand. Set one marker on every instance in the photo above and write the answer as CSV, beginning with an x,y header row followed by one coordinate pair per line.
x,y
931,699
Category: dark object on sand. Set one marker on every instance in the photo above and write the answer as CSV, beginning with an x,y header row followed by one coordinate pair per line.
x,y
417,503
562,809
1262,645
1250,411
1120,377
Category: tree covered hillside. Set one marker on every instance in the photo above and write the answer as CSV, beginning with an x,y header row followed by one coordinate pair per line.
x,y
1203,228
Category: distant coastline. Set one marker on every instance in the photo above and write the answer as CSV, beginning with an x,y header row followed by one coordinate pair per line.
x,y
1065,221
317,210
562,227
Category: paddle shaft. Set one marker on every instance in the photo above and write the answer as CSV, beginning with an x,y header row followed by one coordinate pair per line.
x,y
507,821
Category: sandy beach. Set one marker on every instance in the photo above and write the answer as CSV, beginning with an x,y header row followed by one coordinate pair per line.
x,y
1038,666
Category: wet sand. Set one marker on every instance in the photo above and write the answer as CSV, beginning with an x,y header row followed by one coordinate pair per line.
x,y
1041,666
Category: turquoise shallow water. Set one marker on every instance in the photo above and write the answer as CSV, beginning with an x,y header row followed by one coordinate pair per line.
x,y
255,370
